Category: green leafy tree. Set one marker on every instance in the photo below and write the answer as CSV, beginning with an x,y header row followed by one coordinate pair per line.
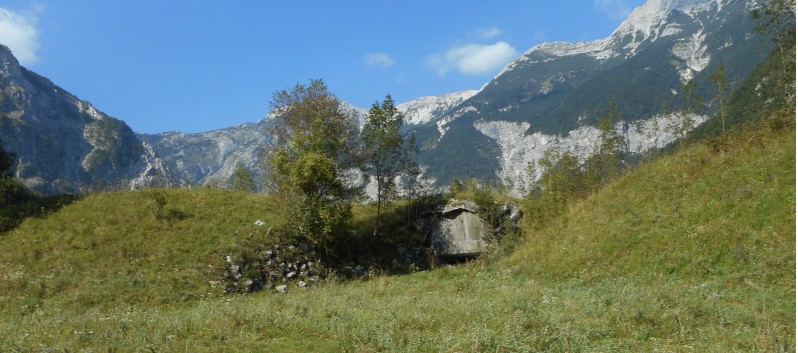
x,y
457,185
242,179
313,149
561,181
385,151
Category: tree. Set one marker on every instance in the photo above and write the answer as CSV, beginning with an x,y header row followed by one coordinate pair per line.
x,y
385,151
313,148
777,20
242,179
457,185
10,189
606,163
561,181
721,84
692,105
6,162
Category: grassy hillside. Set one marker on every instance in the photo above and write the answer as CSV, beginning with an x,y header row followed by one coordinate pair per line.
x,y
124,248
692,252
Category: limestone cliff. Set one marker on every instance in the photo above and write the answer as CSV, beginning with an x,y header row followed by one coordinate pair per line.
x,y
64,144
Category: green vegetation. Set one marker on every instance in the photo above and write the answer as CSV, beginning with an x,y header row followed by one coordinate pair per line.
x,y
693,103
17,202
116,145
315,145
692,252
721,85
385,152
242,179
148,247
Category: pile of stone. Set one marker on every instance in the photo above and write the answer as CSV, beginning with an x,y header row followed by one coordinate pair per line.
x,y
277,267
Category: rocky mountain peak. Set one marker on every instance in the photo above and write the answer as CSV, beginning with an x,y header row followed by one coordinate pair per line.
x,y
425,109
8,63
549,97
552,94
64,144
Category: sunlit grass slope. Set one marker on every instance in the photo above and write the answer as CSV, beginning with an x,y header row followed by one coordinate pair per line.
x,y
122,247
692,252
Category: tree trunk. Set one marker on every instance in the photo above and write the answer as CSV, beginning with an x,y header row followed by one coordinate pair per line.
x,y
379,207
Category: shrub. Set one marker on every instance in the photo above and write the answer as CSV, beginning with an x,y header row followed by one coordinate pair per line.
x,y
156,203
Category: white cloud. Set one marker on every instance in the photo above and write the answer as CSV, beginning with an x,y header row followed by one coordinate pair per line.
x,y
380,60
473,59
19,33
616,10
487,33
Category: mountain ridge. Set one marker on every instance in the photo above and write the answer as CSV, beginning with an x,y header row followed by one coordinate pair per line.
x,y
553,93
558,88
64,144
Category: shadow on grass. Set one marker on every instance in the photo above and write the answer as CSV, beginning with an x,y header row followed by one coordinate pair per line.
x,y
19,206
399,242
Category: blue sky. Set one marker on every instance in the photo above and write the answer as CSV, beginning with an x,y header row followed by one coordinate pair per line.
x,y
195,66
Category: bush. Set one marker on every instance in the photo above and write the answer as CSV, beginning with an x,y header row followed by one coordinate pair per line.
x,y
156,203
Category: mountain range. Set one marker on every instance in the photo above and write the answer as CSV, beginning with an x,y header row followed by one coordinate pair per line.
x,y
65,145
548,98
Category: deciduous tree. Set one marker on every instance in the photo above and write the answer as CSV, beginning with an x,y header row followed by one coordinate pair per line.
x,y
314,148
683,122
777,20
385,151
242,179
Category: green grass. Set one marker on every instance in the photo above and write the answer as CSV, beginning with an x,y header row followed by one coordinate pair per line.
x,y
692,252
111,249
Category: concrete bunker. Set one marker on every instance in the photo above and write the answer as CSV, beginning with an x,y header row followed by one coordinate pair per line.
x,y
455,230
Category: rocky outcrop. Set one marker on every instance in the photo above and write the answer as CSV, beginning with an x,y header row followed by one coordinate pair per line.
x,y
520,149
210,158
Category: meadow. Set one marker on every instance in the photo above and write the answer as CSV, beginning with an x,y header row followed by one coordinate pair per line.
x,y
693,251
